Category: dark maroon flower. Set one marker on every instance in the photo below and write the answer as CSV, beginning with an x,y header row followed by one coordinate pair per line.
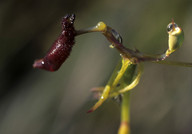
x,y
61,48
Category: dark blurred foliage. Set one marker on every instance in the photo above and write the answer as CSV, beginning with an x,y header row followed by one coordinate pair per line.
x,y
34,101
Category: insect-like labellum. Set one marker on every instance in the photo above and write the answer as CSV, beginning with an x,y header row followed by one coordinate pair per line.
x,y
61,48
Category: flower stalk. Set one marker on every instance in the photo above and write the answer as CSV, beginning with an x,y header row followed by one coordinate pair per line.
x,y
125,114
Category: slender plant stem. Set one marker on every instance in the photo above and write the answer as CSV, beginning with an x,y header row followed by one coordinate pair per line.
x,y
175,63
125,114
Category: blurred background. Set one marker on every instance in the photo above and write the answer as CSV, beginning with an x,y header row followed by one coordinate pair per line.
x,y
34,101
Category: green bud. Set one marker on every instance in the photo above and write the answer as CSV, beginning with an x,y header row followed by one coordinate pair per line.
x,y
176,37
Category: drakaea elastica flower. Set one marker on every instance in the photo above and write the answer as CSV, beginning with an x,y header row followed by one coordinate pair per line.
x,y
62,47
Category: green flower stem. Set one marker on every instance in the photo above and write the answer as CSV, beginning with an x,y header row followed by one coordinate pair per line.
x,y
125,114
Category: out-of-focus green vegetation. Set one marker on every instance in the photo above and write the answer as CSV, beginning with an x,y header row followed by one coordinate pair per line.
x,y
34,101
